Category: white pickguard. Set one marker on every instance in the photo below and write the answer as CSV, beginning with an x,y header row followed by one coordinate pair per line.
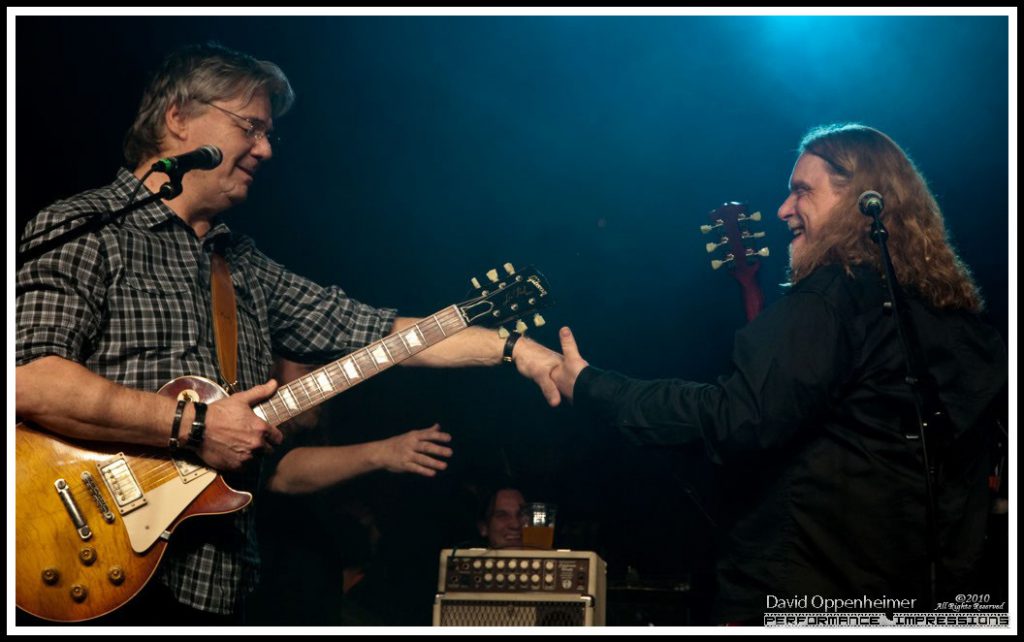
x,y
164,503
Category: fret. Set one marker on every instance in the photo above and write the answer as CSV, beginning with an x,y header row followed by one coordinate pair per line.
x,y
279,408
351,369
397,345
323,382
260,412
413,337
347,383
289,398
364,361
273,416
434,317
303,383
381,355
312,390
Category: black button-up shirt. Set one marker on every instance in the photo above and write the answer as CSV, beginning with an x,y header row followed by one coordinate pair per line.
x,y
826,493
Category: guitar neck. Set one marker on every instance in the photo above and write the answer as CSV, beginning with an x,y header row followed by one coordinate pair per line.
x,y
753,298
320,385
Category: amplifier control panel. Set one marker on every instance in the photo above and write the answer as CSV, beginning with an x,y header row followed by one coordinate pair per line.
x,y
503,571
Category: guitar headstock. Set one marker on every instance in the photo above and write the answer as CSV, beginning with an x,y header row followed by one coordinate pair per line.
x,y
735,249
505,295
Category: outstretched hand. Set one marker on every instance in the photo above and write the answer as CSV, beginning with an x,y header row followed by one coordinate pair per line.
x,y
565,373
416,451
535,361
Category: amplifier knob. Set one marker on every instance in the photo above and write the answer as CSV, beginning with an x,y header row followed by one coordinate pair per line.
x,y
477,564
549,578
500,577
501,563
535,579
523,577
511,563
488,577
567,584
535,565
549,565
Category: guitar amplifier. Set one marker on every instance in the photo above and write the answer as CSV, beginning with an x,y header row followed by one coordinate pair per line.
x,y
489,587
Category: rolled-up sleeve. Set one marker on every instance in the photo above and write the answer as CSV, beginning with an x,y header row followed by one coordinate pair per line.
x,y
60,299
310,322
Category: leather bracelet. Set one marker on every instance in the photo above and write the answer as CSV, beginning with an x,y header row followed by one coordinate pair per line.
x,y
510,344
174,442
195,436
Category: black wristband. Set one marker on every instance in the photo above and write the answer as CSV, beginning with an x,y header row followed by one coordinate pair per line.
x,y
510,344
195,436
174,443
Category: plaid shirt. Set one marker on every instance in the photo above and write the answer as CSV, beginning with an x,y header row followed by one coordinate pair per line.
x,y
132,303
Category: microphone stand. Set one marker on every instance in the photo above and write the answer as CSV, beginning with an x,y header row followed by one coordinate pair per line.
x,y
169,190
930,411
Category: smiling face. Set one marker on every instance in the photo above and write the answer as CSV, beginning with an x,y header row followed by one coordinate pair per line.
x,y
504,525
225,124
810,204
228,184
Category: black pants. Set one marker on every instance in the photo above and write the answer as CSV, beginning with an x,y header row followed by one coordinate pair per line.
x,y
153,606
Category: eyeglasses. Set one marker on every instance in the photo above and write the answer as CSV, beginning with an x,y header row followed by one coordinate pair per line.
x,y
255,130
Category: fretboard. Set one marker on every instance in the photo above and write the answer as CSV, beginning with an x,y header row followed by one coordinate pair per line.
x,y
320,385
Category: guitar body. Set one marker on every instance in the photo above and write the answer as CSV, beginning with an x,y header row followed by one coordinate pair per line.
x,y
66,573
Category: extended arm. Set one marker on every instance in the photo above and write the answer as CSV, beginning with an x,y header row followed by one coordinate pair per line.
x,y
309,469
481,347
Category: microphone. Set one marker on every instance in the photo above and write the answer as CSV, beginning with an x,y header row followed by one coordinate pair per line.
x,y
871,203
206,157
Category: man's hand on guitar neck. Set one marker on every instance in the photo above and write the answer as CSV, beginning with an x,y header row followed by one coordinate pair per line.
x,y
234,434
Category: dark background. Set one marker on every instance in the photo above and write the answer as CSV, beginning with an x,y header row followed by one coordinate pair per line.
x,y
424,150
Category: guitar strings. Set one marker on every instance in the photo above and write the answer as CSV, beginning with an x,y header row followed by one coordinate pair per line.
x,y
446,322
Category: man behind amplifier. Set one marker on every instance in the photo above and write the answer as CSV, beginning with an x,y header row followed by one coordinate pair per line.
x,y
503,518
814,420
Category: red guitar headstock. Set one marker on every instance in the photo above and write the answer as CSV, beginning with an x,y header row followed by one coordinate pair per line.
x,y
735,249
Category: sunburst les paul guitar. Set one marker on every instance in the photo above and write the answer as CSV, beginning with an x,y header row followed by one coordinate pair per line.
x,y
94,518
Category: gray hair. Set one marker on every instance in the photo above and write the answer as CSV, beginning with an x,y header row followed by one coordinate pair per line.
x,y
196,74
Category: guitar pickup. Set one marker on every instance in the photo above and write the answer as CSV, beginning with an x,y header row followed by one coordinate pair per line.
x,y
117,475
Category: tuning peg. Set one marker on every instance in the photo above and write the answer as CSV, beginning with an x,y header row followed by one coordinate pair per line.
x,y
711,247
521,327
756,216
475,283
538,321
492,275
503,333
715,263
707,228
752,235
762,252
509,269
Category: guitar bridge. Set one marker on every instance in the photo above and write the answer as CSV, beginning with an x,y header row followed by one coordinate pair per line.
x,y
122,484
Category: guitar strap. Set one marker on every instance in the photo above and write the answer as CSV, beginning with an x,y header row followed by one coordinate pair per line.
x,y
225,320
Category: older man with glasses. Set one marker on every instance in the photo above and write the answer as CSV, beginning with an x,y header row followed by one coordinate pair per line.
x,y
105,320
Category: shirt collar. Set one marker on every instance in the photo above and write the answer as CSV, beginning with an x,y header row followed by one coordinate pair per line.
x,y
156,213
